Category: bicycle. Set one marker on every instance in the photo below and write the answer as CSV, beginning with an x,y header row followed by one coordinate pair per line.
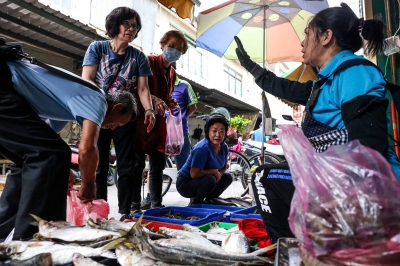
x,y
169,176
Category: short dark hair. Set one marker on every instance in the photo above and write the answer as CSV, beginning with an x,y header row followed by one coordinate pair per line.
x,y
124,97
177,34
115,18
346,28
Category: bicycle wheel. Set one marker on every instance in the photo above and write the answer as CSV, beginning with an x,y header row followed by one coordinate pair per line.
x,y
110,177
167,181
239,168
255,160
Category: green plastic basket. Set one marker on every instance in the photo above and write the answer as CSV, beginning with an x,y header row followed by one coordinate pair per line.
x,y
227,226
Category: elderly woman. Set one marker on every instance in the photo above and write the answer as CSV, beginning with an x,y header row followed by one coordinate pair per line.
x,y
115,65
340,107
173,45
203,176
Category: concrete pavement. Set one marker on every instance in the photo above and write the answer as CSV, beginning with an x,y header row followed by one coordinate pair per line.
x,y
172,198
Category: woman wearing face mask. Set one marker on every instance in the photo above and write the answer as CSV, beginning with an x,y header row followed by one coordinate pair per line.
x,y
115,65
341,106
161,85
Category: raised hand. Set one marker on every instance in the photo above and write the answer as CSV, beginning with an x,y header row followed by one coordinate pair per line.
x,y
242,55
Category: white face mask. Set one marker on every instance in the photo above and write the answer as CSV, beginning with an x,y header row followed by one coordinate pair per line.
x,y
171,54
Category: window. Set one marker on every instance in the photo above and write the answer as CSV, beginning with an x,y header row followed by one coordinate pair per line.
x,y
233,81
66,4
195,62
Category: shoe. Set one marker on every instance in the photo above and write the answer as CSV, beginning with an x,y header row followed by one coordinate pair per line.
x,y
146,203
191,202
159,206
125,217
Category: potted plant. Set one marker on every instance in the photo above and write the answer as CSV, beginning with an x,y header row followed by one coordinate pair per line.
x,y
239,123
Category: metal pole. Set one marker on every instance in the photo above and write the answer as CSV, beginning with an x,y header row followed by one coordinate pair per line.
x,y
393,71
263,96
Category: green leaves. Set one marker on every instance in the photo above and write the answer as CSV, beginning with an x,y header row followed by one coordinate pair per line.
x,y
239,122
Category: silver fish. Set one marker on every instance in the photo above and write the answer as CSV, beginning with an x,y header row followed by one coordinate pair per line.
x,y
116,226
13,247
235,243
61,254
190,254
80,260
43,259
129,257
191,228
52,230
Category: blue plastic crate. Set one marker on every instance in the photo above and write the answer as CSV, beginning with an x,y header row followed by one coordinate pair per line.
x,y
243,214
228,209
205,215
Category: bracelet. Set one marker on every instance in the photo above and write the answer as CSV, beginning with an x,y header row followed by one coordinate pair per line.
x,y
151,110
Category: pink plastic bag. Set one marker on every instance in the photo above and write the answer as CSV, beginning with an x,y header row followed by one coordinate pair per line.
x,y
78,212
346,206
175,140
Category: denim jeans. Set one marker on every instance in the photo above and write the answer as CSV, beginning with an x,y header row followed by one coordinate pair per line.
x,y
180,159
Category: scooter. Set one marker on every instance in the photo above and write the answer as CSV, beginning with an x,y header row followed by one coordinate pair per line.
x,y
75,165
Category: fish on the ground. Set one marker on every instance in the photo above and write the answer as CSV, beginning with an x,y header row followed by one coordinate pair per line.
x,y
235,243
61,254
80,260
129,257
169,250
215,229
191,228
43,259
116,226
60,231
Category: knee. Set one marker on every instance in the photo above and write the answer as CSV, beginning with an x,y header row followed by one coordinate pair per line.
x,y
209,181
227,178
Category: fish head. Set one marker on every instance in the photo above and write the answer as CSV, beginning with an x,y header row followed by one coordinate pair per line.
x,y
13,247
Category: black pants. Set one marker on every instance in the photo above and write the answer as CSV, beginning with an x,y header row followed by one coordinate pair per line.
x,y
38,180
124,143
273,192
204,187
157,164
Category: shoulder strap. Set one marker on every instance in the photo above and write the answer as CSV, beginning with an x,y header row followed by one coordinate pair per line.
x,y
64,74
118,70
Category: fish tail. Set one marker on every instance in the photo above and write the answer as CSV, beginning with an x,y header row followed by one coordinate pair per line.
x,y
37,218
114,243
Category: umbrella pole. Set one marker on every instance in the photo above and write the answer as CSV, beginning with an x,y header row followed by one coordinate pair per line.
x,y
263,96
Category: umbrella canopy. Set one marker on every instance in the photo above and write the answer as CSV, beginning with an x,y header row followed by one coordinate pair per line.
x,y
184,8
279,37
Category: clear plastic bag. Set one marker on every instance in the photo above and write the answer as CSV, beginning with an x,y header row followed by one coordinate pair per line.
x,y
346,206
78,212
175,140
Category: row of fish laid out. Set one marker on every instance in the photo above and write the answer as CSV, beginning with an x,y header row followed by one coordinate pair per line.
x,y
59,243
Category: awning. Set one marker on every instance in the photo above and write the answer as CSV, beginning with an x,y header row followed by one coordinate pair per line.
x,y
31,22
184,8
217,98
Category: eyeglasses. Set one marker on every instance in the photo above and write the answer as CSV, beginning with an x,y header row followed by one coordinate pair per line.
x,y
127,25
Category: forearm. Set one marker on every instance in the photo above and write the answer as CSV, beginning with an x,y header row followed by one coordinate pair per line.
x,y
292,91
191,110
145,98
223,170
199,173
88,160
